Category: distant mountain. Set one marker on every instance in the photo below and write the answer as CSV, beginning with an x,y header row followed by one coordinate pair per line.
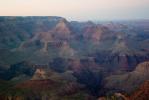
x,y
47,37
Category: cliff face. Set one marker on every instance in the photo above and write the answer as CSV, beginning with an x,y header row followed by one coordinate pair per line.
x,y
143,68
130,81
142,93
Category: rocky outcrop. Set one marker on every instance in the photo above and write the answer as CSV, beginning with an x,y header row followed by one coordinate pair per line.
x,y
130,81
142,93
62,27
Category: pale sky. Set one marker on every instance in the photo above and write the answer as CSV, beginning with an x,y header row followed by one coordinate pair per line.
x,y
77,9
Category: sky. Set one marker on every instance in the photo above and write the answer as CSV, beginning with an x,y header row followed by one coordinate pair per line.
x,y
78,9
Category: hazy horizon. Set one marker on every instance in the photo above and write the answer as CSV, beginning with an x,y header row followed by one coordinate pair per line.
x,y
81,10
